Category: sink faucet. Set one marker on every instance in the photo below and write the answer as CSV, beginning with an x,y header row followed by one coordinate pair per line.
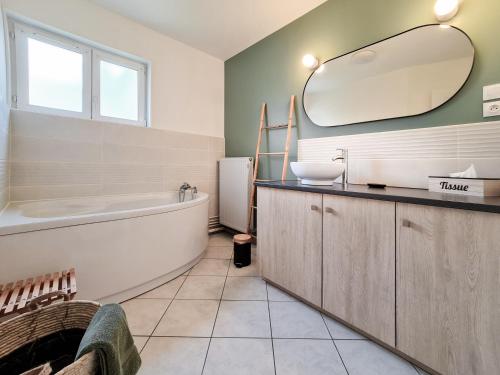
x,y
345,160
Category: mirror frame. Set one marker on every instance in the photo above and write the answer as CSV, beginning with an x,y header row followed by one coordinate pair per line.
x,y
380,41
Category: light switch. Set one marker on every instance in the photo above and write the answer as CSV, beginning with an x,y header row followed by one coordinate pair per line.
x,y
491,109
491,92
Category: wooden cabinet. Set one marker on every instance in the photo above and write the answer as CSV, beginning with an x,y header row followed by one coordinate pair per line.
x,y
448,299
359,263
289,227
422,279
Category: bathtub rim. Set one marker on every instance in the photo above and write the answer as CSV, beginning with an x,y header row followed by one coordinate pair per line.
x,y
30,224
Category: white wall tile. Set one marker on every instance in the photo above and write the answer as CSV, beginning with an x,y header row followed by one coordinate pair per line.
x,y
4,142
133,135
4,155
127,154
40,149
53,173
131,188
406,158
58,157
4,183
25,193
37,125
126,173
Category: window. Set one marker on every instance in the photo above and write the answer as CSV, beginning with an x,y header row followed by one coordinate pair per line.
x,y
54,74
119,87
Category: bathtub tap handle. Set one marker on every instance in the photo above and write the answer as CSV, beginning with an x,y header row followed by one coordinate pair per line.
x,y
194,192
182,191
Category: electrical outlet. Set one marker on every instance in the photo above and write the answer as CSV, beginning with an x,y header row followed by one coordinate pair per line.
x,y
491,109
491,92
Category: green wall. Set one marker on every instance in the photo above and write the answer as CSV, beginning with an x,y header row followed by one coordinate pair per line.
x,y
271,70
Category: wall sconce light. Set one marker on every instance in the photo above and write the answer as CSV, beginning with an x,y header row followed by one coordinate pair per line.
x,y
310,61
320,69
445,10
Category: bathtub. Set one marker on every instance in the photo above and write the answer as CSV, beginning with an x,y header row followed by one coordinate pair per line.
x,y
121,246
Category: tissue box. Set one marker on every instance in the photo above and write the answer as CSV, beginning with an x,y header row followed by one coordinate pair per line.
x,y
479,187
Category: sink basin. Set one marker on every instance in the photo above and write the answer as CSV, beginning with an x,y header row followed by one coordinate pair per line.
x,y
317,172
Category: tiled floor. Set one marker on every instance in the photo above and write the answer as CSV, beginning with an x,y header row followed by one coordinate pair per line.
x,y
218,319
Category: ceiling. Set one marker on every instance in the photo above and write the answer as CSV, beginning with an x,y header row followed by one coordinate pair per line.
x,y
221,28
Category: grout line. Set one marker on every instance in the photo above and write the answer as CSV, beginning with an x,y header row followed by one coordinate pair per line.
x,y
157,324
335,345
396,275
215,320
246,337
415,367
271,328
209,299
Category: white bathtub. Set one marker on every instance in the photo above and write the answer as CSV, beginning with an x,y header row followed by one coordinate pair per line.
x,y
121,246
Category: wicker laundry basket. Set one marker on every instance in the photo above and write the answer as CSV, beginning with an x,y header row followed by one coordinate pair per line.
x,y
26,328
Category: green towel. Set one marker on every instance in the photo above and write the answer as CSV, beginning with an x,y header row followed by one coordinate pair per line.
x,y
109,336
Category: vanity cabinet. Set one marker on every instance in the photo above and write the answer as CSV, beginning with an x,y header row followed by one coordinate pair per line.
x,y
448,278
359,263
422,279
289,227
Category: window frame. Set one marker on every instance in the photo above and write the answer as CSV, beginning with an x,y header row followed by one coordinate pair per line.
x,y
97,57
22,34
92,54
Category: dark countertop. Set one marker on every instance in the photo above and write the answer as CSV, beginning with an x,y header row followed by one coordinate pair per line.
x,y
403,195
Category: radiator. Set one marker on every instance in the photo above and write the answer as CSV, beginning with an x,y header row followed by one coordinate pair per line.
x,y
235,183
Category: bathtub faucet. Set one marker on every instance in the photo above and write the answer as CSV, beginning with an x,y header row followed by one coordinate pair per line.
x,y
182,191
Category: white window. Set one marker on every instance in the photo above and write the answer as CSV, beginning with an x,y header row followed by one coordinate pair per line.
x,y
119,88
55,74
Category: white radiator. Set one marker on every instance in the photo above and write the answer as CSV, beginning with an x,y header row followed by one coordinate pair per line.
x,y
235,183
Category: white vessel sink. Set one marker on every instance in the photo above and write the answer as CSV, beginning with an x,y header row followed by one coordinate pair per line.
x,y
317,172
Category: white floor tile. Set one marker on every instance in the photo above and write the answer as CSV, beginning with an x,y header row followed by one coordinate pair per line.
x,y
144,314
239,357
202,287
219,252
220,239
251,270
308,357
140,341
243,319
188,318
167,290
174,356
297,320
277,295
363,357
245,289
210,267
340,331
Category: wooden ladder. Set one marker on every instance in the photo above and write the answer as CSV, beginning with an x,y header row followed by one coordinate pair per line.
x,y
264,126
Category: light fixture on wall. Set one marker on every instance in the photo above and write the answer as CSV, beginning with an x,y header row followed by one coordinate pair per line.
x,y
445,10
310,61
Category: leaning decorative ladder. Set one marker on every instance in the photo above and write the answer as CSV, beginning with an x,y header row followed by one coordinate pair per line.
x,y
264,126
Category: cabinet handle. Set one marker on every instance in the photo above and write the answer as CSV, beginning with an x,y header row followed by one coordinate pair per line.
x,y
406,223
329,210
314,208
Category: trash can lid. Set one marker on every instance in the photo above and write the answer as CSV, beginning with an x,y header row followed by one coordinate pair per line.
x,y
242,238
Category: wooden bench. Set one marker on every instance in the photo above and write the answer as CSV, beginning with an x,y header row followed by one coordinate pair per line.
x,y
26,295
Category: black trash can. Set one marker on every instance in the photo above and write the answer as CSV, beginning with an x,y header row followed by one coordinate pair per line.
x,y
242,250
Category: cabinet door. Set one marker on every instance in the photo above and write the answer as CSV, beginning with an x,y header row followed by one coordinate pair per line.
x,y
448,277
359,252
289,240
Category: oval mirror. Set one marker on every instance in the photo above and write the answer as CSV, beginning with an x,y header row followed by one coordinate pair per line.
x,y
405,75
